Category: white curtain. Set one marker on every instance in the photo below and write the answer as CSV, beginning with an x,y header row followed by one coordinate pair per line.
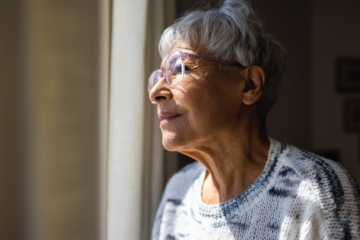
x,y
136,169
126,126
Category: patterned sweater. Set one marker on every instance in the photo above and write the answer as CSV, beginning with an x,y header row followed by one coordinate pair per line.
x,y
299,195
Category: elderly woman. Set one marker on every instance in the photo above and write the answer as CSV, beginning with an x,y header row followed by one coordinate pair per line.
x,y
219,77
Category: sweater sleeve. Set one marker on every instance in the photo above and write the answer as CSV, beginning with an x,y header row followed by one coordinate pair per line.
x,y
342,211
337,194
327,203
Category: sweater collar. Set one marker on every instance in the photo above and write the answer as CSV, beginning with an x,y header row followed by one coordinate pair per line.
x,y
202,212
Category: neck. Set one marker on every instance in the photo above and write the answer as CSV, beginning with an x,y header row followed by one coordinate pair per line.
x,y
234,159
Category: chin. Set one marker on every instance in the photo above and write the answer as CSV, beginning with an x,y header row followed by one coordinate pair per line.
x,y
171,142
170,145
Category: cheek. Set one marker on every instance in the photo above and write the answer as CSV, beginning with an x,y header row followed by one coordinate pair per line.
x,y
202,108
212,107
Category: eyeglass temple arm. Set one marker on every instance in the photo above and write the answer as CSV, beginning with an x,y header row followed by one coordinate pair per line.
x,y
186,55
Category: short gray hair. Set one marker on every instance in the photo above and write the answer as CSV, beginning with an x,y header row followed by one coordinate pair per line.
x,y
232,32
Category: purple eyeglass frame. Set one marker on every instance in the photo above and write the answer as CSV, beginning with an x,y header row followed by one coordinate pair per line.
x,y
184,56
211,59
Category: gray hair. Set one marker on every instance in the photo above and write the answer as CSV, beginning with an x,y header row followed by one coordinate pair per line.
x,y
232,32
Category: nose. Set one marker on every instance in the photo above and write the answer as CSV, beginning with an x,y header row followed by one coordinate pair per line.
x,y
160,92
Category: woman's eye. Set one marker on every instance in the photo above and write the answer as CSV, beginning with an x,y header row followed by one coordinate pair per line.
x,y
178,69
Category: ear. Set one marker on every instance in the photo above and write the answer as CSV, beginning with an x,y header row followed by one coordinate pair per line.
x,y
255,81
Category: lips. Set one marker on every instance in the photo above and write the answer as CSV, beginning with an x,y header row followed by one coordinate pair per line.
x,y
167,116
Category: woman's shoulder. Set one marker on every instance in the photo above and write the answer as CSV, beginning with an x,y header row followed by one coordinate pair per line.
x,y
320,172
309,167
319,169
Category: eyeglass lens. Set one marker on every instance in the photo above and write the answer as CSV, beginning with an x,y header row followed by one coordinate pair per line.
x,y
174,69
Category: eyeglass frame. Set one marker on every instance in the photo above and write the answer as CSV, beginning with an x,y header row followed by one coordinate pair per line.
x,y
184,56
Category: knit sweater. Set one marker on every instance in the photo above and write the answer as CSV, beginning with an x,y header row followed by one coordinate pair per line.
x,y
299,195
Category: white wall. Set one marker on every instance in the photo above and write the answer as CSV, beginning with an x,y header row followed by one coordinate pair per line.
x,y
335,32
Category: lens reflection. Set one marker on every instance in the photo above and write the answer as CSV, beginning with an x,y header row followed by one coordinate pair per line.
x,y
174,69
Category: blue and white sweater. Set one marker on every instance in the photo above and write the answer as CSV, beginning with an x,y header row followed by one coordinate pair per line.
x,y
299,195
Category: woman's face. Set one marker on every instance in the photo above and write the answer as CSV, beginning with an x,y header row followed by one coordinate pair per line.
x,y
205,106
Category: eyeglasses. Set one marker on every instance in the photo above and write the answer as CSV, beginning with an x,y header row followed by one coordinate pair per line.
x,y
174,69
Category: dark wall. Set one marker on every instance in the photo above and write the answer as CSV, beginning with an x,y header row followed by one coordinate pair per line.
x,y
290,22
